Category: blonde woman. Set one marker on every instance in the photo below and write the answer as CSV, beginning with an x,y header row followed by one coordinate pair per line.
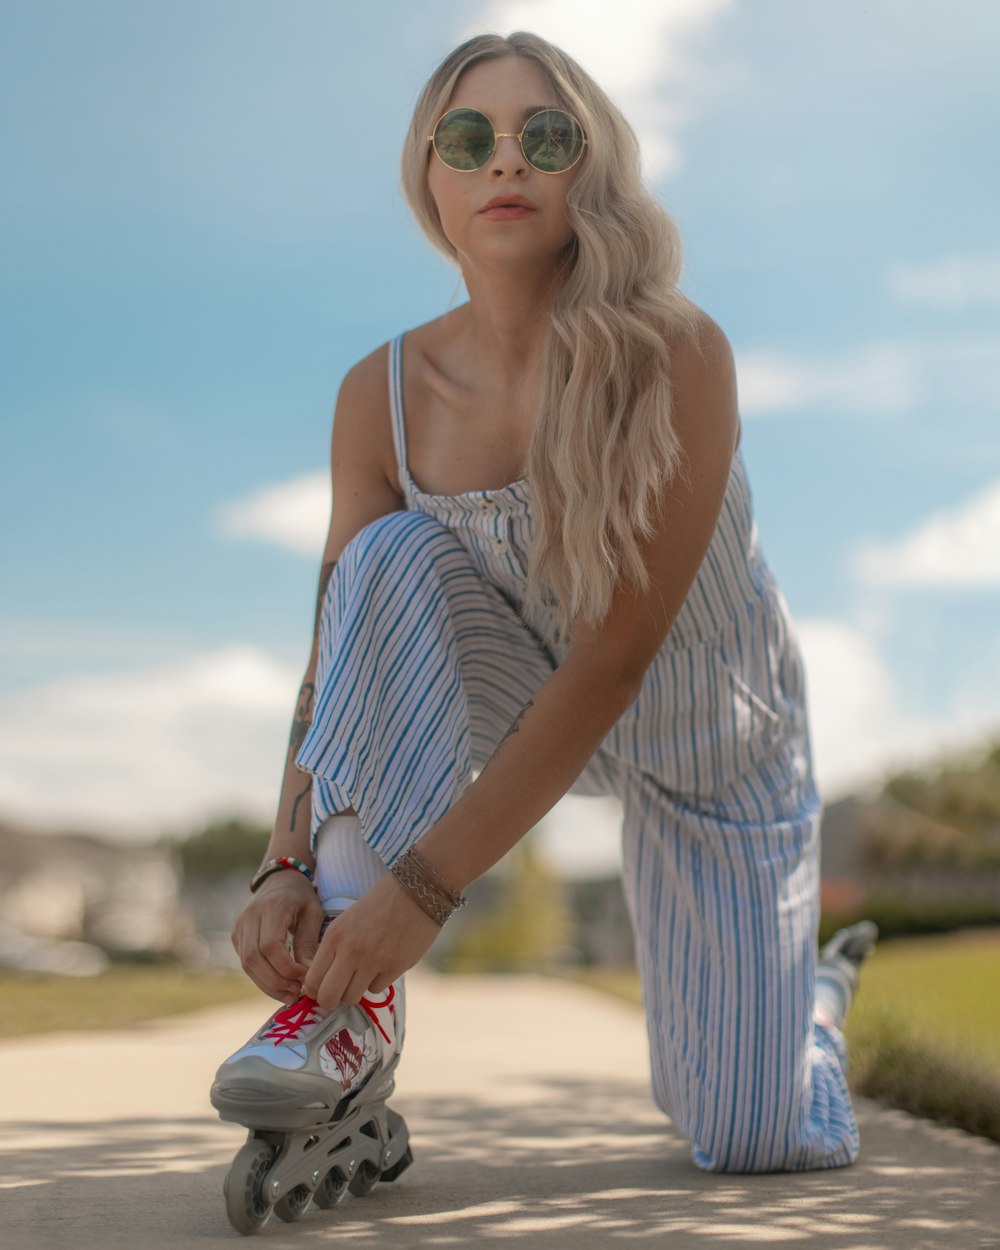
x,y
542,564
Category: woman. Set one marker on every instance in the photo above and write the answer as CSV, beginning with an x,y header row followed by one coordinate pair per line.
x,y
542,564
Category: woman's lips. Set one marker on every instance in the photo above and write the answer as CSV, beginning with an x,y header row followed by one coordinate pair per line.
x,y
505,212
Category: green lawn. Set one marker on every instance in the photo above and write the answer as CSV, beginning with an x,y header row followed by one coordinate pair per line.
x,y
43,1003
946,987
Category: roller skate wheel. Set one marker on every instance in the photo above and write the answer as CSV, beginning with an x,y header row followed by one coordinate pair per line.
x,y
365,1178
331,1189
291,1205
247,1203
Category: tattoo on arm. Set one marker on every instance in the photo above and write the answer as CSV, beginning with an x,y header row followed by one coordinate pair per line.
x,y
304,709
303,794
512,730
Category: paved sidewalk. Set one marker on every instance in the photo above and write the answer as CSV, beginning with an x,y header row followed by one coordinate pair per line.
x,y
531,1125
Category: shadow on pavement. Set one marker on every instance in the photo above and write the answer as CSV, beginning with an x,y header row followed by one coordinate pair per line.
x,y
589,1164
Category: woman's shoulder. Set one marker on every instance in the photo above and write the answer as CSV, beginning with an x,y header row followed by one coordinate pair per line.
x,y
693,328
702,363
419,339
703,376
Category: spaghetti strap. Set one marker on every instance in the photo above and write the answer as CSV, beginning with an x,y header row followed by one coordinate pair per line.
x,y
396,406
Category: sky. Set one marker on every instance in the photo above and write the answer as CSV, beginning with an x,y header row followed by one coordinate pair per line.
x,y
203,229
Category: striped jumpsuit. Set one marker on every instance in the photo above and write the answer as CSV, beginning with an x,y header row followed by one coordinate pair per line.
x,y
425,662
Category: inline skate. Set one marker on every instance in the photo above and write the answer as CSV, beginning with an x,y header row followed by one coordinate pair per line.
x,y
311,1086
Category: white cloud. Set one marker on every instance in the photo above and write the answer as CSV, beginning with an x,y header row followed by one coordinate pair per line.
x,y
135,753
949,283
638,52
861,729
957,547
874,378
78,641
893,376
293,514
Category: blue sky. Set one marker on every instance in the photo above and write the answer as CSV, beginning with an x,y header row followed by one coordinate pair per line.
x,y
198,244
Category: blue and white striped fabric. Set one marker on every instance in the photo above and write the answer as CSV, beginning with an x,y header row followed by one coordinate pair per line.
x,y
425,660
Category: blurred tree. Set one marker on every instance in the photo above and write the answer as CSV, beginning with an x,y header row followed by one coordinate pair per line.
x,y
528,927
946,814
222,847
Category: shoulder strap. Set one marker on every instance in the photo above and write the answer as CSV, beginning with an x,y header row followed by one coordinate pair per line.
x,y
396,404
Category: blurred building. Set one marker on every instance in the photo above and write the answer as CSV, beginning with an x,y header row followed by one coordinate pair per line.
x,y
73,903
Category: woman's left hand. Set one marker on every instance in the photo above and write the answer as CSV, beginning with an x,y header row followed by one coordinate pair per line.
x,y
369,945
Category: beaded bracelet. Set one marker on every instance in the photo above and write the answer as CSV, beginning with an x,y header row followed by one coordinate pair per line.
x,y
276,865
426,886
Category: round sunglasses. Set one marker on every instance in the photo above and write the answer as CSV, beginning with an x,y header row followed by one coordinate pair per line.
x,y
552,140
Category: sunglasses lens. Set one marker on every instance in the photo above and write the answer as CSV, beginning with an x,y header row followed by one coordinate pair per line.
x,y
553,141
464,139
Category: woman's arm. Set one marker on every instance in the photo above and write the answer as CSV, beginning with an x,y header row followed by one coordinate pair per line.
x,y
538,759
292,824
285,902
361,460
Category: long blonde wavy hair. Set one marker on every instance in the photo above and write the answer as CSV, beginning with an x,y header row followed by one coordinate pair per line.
x,y
603,444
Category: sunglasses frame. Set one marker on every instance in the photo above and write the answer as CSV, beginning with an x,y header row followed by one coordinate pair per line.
x,y
498,134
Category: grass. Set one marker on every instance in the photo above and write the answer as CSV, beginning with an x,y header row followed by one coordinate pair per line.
x,y
36,1003
924,1031
945,988
924,1035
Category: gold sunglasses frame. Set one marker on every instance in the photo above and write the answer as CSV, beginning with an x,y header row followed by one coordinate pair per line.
x,y
499,134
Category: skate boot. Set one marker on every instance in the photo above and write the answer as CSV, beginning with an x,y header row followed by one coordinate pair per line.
x,y
311,1086
853,944
837,971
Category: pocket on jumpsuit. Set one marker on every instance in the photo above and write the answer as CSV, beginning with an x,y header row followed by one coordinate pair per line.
x,y
700,722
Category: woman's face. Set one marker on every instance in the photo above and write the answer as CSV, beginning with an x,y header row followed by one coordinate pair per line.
x,y
507,90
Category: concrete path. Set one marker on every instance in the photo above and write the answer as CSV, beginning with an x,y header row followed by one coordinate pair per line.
x,y
531,1123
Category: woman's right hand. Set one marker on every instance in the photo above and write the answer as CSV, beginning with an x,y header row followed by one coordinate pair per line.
x,y
285,902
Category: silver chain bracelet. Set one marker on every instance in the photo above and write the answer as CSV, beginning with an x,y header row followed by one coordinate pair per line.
x,y
426,886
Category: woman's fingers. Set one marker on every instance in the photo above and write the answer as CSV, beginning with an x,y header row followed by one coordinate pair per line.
x,y
260,939
341,984
317,978
357,987
267,978
306,938
335,975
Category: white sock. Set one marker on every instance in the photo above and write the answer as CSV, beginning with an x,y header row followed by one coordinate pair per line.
x,y
346,868
837,970
836,981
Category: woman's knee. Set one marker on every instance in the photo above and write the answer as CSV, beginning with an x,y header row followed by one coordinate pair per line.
x,y
391,531
395,546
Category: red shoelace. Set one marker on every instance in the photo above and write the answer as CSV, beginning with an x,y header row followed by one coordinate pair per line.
x,y
291,1020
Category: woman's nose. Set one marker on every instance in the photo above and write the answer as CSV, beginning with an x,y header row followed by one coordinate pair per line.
x,y
509,157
